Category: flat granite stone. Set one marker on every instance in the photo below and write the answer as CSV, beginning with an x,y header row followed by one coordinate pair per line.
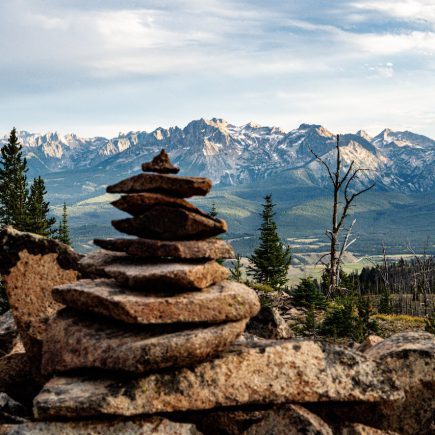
x,y
138,426
92,264
183,187
160,164
182,250
31,266
266,373
223,302
169,223
75,342
138,203
164,276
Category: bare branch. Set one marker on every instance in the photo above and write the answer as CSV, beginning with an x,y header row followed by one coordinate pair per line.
x,y
319,159
321,258
348,201
347,173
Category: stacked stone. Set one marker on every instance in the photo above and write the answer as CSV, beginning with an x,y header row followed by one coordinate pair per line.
x,y
156,301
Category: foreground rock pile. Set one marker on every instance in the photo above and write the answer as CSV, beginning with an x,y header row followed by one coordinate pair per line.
x,y
168,304
146,337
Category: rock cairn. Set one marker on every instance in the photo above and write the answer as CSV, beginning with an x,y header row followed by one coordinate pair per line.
x,y
156,301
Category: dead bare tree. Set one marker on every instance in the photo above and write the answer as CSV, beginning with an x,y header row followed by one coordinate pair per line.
x,y
425,265
344,247
342,182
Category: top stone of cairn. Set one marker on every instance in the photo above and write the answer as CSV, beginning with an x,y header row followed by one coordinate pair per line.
x,y
160,164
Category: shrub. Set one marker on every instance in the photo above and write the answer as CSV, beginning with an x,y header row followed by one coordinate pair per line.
x,y
348,316
266,288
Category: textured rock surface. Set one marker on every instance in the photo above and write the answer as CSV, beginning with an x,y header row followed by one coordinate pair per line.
x,y
183,187
32,266
269,324
16,378
28,286
164,276
222,302
412,356
222,421
183,250
291,371
93,263
169,223
369,342
10,410
8,333
361,429
73,342
143,426
291,420
160,164
138,203
12,242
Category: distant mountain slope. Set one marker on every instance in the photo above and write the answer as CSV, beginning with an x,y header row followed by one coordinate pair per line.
x,y
234,155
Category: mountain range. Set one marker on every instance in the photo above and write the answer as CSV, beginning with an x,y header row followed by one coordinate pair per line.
x,y
245,163
399,161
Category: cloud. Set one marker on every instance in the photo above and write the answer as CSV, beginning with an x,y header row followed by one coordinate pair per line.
x,y
393,44
423,10
72,65
383,70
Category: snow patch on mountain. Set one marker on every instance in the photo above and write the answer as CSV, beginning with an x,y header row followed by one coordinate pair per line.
x,y
230,154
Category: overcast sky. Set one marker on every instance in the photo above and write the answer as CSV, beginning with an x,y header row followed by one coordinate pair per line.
x,y
100,67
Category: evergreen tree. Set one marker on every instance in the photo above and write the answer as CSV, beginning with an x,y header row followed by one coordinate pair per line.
x,y
63,231
13,184
271,260
39,221
236,270
309,326
385,303
213,212
307,295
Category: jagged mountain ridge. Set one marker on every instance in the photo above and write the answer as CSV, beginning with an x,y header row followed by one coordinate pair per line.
x,y
230,154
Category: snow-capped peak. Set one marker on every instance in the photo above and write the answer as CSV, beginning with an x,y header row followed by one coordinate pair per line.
x,y
402,160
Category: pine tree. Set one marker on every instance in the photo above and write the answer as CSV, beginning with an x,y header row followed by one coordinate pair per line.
x,y
213,212
63,231
39,221
13,184
236,270
307,295
271,260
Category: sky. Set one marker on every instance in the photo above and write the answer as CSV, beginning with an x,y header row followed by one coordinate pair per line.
x,y
100,67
